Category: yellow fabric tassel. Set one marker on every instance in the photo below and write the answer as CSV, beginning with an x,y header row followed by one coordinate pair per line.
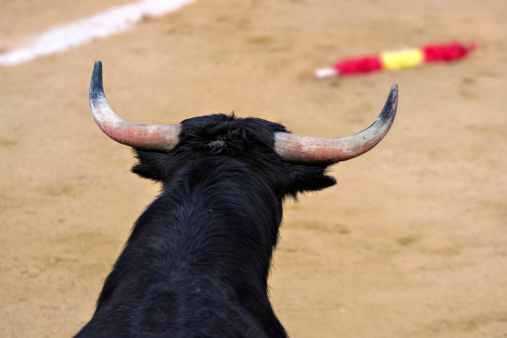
x,y
402,59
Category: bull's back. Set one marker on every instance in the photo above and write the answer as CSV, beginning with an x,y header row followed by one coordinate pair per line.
x,y
196,310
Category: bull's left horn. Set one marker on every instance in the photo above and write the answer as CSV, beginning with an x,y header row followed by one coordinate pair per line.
x,y
306,149
140,136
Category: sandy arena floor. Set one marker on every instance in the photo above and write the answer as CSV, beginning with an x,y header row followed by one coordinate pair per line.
x,y
412,242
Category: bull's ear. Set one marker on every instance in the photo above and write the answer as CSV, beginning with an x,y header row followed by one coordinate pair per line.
x,y
306,177
150,164
315,184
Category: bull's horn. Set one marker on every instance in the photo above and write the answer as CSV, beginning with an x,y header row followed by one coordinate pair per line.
x,y
140,136
305,149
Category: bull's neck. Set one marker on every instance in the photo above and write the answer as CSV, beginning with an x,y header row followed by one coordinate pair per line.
x,y
218,220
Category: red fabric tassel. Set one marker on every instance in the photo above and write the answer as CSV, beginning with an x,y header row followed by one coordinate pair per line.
x,y
449,52
360,65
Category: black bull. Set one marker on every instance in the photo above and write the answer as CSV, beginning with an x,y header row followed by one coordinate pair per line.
x,y
198,259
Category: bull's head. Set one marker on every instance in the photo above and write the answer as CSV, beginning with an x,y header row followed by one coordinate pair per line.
x,y
293,148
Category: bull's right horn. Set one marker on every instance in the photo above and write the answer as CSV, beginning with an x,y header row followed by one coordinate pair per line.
x,y
140,136
305,149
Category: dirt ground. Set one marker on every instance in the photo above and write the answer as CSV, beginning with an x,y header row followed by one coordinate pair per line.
x,y
412,242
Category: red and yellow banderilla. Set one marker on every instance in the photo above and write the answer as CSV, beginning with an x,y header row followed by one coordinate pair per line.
x,y
406,58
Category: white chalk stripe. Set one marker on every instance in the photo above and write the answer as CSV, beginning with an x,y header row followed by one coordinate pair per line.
x,y
85,30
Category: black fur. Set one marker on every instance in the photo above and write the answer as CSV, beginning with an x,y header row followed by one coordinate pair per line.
x,y
198,259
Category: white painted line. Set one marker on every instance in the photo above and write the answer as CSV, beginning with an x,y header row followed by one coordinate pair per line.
x,y
85,30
